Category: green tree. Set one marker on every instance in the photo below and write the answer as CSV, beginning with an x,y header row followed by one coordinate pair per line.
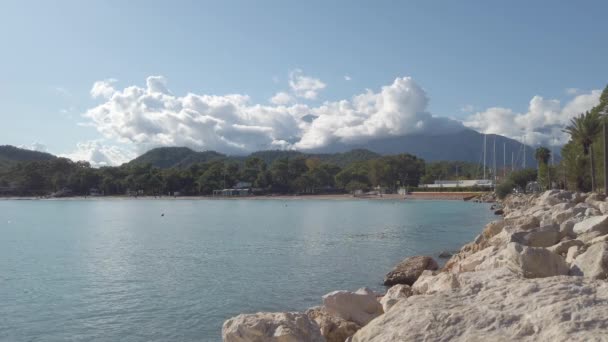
x,y
584,129
542,156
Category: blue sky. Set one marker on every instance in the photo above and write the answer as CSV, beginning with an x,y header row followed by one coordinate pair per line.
x,y
474,54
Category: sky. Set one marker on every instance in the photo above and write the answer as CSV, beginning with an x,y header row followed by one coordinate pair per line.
x,y
106,80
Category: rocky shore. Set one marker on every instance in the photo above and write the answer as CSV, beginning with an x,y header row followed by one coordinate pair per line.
x,y
538,274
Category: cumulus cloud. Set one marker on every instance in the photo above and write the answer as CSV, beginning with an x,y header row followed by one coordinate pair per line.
x,y
347,78
151,116
281,98
36,146
143,117
541,124
305,86
467,108
103,89
397,109
98,154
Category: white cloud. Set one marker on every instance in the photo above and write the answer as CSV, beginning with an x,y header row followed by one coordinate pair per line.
x,y
151,116
347,78
36,146
467,108
103,89
398,109
572,91
305,86
98,154
281,98
541,124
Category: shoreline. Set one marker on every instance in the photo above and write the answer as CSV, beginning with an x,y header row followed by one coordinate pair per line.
x,y
443,196
522,278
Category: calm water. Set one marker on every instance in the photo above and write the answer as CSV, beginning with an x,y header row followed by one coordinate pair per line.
x,y
115,270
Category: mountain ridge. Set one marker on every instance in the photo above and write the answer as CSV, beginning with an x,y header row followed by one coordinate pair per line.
x,y
465,145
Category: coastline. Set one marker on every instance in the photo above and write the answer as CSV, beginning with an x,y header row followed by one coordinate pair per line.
x,y
444,196
523,278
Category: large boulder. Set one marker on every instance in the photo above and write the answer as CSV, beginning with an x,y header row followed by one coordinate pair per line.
x,y
359,307
271,327
430,283
469,263
553,197
564,246
593,224
394,294
530,262
498,309
542,237
561,216
407,271
333,328
593,263
567,227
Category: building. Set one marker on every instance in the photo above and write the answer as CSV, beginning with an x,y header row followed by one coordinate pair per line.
x,y
467,183
239,189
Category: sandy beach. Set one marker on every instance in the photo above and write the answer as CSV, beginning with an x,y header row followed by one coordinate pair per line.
x,y
411,196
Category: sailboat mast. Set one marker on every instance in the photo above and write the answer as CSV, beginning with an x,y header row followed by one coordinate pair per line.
x,y
504,159
494,157
523,144
484,156
512,161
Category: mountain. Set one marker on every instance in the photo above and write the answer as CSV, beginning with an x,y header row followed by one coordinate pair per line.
x,y
11,154
181,157
341,158
465,145
168,157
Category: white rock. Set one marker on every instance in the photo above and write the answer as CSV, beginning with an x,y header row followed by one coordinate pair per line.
x,y
333,328
590,236
469,263
560,216
530,262
573,252
359,307
542,237
498,309
549,197
567,227
592,224
595,198
564,246
271,327
602,238
562,206
394,294
593,263
593,212
429,282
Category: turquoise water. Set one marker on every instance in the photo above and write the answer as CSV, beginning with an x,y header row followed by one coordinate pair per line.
x,y
116,270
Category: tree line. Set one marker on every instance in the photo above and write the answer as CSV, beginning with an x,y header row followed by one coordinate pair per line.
x,y
282,176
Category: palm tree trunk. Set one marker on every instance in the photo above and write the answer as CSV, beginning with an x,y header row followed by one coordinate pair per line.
x,y
592,168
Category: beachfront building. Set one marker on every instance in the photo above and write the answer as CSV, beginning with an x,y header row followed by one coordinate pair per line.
x,y
467,183
239,189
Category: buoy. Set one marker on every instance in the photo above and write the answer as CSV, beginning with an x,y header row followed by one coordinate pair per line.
x,y
163,214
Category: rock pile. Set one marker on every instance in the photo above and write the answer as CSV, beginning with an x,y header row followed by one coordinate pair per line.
x,y
539,274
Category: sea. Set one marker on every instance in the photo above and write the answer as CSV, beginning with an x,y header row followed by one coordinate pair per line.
x,y
175,269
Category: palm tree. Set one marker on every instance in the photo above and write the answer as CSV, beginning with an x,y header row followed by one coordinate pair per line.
x,y
583,129
542,156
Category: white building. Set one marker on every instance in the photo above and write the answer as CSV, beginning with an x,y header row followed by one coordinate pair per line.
x,y
482,183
